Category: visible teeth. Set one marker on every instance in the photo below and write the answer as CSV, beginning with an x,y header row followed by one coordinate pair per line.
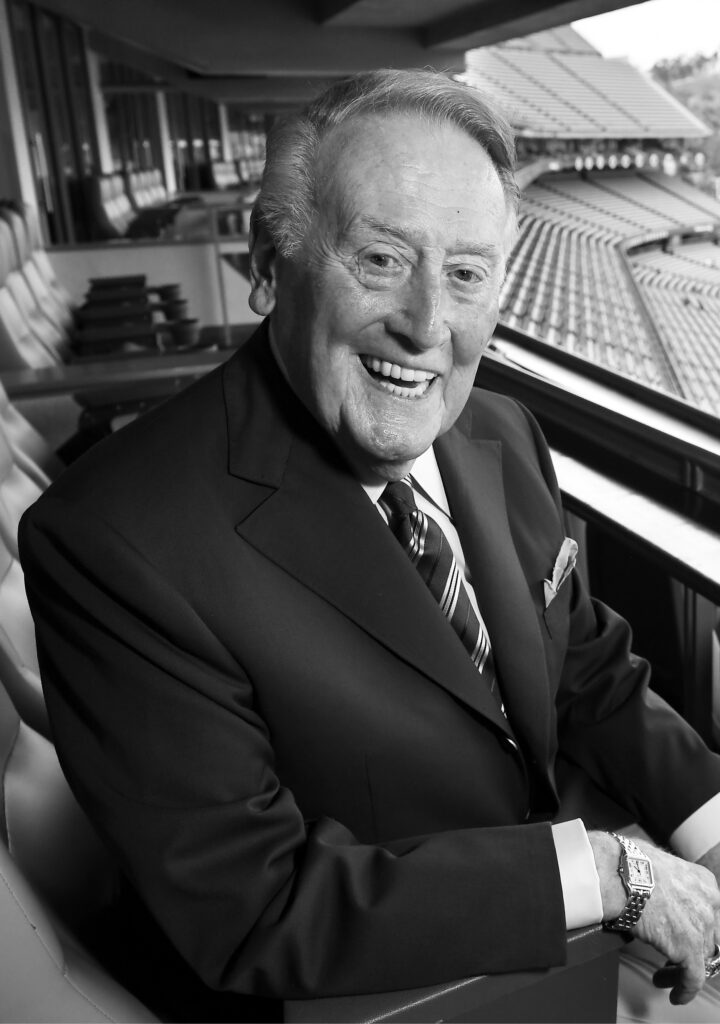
x,y
396,372
407,374
407,392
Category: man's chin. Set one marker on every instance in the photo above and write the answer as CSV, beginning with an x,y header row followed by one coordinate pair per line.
x,y
371,467
386,454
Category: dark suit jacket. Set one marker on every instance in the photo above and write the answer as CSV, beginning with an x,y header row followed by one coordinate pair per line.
x,y
261,706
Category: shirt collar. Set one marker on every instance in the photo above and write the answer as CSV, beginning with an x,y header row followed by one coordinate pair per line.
x,y
427,473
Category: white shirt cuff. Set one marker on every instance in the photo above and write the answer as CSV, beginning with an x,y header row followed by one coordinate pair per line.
x,y
698,833
578,874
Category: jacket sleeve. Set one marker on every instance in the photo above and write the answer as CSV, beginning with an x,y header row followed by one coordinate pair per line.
x,y
610,721
158,733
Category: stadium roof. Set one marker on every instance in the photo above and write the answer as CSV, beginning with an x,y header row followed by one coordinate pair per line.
x,y
554,84
281,52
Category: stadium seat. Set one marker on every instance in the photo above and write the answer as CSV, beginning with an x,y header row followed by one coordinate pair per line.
x,y
110,205
39,257
19,669
30,449
21,483
55,877
224,175
154,211
39,327
49,335
53,301
18,490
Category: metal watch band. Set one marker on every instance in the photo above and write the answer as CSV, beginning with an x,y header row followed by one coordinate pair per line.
x,y
636,900
631,914
631,848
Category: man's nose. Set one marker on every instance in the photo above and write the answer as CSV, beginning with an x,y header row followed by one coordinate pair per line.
x,y
420,314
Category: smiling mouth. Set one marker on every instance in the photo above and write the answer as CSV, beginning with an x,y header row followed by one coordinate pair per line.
x,y
398,380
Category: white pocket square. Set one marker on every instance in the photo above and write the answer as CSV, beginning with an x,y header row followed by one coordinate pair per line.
x,y
564,565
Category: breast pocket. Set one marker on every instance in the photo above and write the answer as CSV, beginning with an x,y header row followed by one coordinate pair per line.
x,y
556,623
555,617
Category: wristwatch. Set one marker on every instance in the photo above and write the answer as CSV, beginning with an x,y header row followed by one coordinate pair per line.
x,y
636,873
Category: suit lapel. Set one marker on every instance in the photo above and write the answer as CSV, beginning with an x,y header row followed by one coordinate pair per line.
x,y
472,476
302,508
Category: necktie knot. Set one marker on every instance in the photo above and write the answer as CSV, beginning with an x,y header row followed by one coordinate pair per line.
x,y
398,500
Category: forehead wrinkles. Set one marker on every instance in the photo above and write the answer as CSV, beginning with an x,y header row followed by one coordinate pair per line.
x,y
394,170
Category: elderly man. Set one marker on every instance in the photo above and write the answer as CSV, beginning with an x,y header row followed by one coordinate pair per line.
x,y
310,634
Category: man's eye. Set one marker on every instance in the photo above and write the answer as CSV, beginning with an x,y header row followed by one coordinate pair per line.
x,y
466,275
381,261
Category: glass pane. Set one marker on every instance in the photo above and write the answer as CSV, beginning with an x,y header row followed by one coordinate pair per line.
x,y
52,212
79,94
55,94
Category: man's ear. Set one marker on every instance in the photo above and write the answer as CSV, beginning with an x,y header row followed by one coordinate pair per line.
x,y
263,265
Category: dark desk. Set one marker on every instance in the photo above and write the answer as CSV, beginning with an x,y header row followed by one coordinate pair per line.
x,y
126,377
585,989
131,377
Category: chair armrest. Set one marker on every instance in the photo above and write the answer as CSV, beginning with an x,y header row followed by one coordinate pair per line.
x,y
162,336
175,309
583,989
119,281
99,338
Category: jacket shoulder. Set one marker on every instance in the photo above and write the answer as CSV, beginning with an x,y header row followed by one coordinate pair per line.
x,y
491,416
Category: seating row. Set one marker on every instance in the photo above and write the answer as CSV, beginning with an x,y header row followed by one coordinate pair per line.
x,y
229,174
629,202
56,875
135,205
694,267
224,174
567,285
40,325
689,325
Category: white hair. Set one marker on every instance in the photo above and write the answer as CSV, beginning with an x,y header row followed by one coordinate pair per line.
x,y
286,202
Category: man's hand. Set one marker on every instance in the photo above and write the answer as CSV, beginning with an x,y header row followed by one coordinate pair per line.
x,y
681,918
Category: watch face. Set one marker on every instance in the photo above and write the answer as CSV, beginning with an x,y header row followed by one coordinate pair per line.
x,y
639,872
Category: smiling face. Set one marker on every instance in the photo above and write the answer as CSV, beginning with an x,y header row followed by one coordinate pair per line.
x,y
383,313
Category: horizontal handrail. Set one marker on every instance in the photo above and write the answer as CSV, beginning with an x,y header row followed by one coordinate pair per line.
x,y
687,551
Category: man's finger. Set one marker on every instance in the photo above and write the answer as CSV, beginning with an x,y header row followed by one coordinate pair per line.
x,y
684,981
667,976
690,983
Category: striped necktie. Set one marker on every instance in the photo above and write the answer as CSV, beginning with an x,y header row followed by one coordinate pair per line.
x,y
429,550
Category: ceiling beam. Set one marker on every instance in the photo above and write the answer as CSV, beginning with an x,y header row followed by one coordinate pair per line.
x,y
270,92
265,37
121,53
495,21
329,9
257,93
